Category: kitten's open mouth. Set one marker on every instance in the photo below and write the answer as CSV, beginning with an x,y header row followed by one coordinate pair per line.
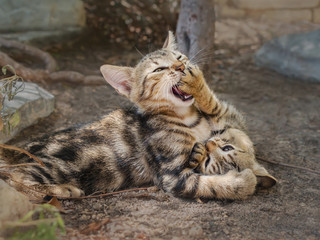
x,y
179,94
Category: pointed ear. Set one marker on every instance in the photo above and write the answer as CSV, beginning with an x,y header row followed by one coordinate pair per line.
x,y
265,180
170,42
120,78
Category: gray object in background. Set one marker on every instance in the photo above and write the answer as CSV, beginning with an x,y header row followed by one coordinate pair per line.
x,y
14,205
31,20
28,15
31,104
294,55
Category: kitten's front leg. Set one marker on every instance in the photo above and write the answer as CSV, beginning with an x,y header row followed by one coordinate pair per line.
x,y
233,185
198,155
193,83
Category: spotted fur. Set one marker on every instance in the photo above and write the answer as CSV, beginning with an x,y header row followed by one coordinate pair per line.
x,y
151,143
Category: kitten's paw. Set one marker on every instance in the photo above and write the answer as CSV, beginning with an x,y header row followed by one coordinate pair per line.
x,y
192,81
198,155
244,183
65,190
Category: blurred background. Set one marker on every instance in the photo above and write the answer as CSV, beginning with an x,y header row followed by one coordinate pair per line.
x,y
136,22
60,45
263,56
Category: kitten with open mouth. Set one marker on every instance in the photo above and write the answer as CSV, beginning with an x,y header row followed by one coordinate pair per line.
x,y
180,94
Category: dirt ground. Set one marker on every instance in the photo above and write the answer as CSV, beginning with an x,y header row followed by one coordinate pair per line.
x,y
283,120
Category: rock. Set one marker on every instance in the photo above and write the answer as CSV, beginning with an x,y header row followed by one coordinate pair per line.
x,y
42,37
294,55
275,4
195,231
31,104
14,205
41,20
26,15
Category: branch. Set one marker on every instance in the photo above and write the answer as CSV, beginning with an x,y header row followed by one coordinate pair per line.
x,y
106,194
26,73
20,165
76,78
288,165
48,74
23,151
50,63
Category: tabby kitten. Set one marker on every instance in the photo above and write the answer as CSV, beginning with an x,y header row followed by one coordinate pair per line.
x,y
151,143
228,153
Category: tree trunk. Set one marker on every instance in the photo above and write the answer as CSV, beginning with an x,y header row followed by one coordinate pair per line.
x,y
195,32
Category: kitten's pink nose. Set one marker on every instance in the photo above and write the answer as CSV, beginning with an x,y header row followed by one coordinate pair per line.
x,y
179,67
211,145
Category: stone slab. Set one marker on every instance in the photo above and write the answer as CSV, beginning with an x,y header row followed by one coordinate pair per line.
x,y
43,37
24,15
14,205
31,104
275,4
294,55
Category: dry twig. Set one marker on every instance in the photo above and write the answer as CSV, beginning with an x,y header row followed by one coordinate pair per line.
x,y
49,74
23,151
94,226
107,194
50,63
288,165
20,165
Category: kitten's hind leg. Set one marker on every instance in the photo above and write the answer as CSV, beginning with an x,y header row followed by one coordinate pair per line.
x,y
62,190
21,179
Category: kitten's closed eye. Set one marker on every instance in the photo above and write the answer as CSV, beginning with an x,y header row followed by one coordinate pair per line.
x,y
159,69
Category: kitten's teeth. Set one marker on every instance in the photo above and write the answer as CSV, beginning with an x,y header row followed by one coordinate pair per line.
x,y
178,93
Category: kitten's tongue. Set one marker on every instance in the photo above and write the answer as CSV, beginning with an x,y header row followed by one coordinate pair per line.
x,y
178,93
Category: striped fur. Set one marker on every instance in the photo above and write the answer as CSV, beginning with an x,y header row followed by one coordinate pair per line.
x,y
230,155
151,143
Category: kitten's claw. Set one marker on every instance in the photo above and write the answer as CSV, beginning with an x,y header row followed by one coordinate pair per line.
x,y
190,70
199,200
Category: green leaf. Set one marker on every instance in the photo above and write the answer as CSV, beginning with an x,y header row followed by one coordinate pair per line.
x,y
43,229
15,120
4,70
61,224
27,216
